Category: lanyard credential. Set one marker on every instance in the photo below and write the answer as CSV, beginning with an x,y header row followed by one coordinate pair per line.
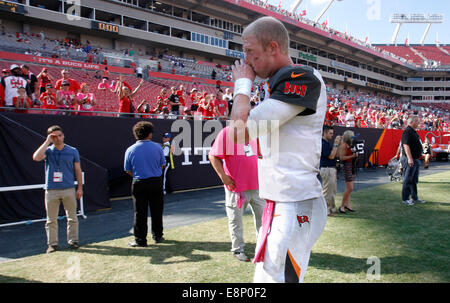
x,y
57,174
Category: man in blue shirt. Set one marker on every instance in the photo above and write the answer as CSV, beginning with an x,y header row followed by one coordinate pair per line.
x,y
328,171
62,166
144,161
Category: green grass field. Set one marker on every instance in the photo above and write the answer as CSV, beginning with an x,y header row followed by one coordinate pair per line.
x,y
411,243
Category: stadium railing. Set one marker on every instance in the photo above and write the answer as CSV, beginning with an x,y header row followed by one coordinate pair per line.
x,y
39,186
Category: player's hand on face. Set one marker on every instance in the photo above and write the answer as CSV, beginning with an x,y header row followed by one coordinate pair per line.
x,y
242,70
51,137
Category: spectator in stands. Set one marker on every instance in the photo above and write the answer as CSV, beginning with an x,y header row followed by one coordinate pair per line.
x,y
21,101
159,67
143,162
62,167
74,86
125,95
181,93
228,94
48,100
32,82
65,98
44,79
194,100
161,101
206,107
213,74
85,100
97,75
174,101
139,72
106,73
103,85
144,108
350,118
220,106
11,83
2,97
239,175
5,72
331,117
346,156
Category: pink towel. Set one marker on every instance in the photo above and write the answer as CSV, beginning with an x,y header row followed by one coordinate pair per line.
x,y
265,229
241,200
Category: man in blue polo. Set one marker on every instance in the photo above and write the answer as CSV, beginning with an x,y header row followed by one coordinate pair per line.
x,y
62,166
144,161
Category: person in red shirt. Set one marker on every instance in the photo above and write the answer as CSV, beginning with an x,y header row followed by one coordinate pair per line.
x,y
144,108
106,73
181,93
125,99
48,100
207,107
74,85
21,102
162,101
194,100
220,106
331,117
115,88
2,97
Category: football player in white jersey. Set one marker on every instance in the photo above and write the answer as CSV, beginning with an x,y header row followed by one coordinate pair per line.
x,y
11,83
289,149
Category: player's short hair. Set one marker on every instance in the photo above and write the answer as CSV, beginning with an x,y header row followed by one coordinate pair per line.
x,y
142,129
54,128
267,29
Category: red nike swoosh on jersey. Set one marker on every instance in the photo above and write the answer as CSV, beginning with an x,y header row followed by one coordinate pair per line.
x,y
296,75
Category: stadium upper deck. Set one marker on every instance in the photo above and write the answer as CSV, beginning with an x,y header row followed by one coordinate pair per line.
x,y
210,31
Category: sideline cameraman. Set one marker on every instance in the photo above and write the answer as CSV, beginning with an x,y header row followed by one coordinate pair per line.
x,y
347,156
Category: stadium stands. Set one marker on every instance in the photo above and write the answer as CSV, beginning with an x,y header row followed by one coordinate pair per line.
x,y
434,53
404,52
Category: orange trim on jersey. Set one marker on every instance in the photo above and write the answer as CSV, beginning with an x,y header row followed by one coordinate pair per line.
x,y
268,88
294,264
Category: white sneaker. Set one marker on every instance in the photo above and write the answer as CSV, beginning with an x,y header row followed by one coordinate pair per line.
x,y
408,202
420,201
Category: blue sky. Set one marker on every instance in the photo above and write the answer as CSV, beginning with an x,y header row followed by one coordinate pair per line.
x,y
371,18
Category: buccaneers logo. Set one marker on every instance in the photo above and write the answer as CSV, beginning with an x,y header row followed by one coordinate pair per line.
x,y
302,219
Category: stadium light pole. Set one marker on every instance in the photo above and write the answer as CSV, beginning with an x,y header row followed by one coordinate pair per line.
x,y
295,5
316,20
416,19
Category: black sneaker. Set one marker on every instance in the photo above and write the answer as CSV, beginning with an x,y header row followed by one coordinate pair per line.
x,y
159,240
74,245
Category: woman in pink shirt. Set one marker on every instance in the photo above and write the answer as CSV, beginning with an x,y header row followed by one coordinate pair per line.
x,y
65,98
86,100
